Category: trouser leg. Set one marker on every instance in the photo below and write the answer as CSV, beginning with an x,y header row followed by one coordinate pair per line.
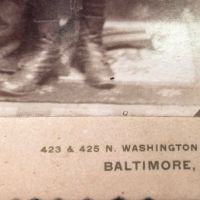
x,y
11,32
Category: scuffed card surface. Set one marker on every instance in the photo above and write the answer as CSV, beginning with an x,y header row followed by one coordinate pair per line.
x,y
99,158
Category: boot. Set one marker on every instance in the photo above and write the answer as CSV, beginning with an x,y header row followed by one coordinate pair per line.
x,y
44,51
90,53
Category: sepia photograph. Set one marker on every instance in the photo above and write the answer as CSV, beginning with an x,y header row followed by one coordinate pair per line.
x,y
99,58
99,99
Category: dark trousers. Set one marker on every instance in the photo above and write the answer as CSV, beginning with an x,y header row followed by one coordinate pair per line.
x,y
52,9
11,17
49,9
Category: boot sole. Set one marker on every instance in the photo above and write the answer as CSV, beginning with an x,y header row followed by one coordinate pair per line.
x,y
101,85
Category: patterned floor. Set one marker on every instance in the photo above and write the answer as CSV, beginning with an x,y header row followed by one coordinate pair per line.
x,y
162,72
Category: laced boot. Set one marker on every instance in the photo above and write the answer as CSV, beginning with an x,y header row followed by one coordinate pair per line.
x,y
43,57
90,54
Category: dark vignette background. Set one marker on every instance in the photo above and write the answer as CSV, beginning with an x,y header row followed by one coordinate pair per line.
x,y
151,9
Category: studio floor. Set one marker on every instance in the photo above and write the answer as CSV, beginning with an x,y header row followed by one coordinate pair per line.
x,y
159,78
